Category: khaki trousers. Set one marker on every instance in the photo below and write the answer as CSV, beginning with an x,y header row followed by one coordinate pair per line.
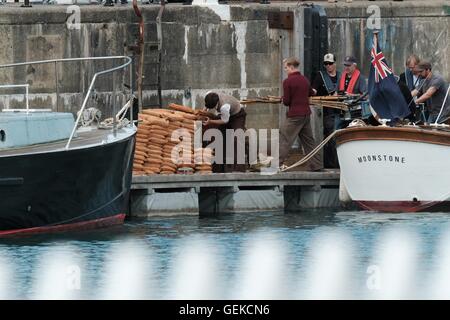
x,y
299,127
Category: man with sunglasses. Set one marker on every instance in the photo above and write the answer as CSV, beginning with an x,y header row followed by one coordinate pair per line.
x,y
325,84
351,80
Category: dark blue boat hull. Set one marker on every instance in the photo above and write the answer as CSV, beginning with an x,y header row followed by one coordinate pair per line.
x,y
74,187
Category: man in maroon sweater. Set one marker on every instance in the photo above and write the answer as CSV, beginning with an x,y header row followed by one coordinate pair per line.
x,y
296,92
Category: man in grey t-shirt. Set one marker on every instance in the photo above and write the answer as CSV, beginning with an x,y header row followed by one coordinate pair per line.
x,y
433,92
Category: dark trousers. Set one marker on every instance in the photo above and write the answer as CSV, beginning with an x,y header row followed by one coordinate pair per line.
x,y
299,127
236,121
330,158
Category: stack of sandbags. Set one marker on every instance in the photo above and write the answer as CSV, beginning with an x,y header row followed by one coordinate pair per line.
x,y
161,150
138,163
203,160
186,122
140,153
155,129
171,152
175,154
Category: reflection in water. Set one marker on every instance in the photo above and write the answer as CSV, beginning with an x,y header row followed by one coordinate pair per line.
x,y
296,255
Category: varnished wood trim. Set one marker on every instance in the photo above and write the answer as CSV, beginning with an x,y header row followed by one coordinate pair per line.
x,y
393,134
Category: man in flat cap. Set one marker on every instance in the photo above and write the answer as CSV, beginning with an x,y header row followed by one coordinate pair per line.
x,y
352,81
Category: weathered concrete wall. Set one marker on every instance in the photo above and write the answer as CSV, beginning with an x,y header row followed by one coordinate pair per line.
x,y
203,49
230,48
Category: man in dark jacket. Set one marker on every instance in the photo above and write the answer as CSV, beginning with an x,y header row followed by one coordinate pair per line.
x,y
408,99
325,84
296,92
410,77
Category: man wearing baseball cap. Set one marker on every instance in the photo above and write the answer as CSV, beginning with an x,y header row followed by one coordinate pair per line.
x,y
433,92
325,84
352,81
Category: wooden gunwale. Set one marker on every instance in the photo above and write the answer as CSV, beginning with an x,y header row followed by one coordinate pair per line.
x,y
412,134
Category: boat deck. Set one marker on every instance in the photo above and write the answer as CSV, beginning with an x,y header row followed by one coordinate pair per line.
x,y
84,138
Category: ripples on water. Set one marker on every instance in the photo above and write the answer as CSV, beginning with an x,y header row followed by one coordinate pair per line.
x,y
310,254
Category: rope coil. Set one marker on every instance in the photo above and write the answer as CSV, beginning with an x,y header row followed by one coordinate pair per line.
x,y
89,115
121,121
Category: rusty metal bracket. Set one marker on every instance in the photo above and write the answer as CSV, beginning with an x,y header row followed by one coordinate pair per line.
x,y
140,50
281,20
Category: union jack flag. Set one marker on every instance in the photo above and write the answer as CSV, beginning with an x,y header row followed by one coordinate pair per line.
x,y
379,62
384,93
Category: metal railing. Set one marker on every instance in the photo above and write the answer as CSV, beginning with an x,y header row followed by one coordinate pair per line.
x,y
128,61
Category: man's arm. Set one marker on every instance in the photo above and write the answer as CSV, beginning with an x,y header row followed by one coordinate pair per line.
x,y
215,122
286,94
419,92
362,85
427,95
224,116
403,78
317,83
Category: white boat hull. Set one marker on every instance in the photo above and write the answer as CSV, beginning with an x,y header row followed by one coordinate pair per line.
x,y
396,175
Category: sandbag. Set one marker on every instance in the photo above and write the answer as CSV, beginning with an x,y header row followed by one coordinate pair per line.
x,y
162,133
156,141
154,145
157,127
157,136
181,108
153,151
153,120
139,157
155,157
142,153
154,112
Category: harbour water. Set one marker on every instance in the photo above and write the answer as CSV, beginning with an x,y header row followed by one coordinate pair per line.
x,y
295,255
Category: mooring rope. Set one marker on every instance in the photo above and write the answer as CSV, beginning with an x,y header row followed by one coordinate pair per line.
x,y
354,123
312,153
121,121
